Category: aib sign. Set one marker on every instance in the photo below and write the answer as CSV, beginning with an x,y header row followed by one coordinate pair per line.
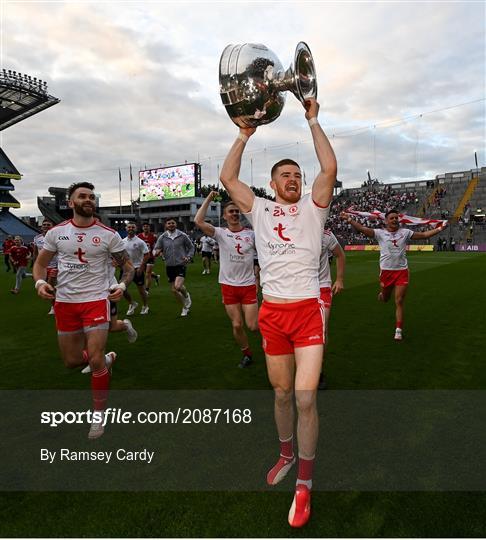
x,y
471,247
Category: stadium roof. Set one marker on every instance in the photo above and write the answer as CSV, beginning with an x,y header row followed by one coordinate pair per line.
x,y
7,168
7,200
21,96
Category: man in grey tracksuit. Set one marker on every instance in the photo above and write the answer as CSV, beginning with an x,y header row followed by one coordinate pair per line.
x,y
177,250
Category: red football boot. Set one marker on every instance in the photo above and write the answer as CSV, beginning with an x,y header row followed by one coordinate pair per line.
x,y
279,471
300,510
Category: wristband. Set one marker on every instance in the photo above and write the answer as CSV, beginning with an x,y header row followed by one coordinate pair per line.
x,y
40,282
313,121
121,286
242,137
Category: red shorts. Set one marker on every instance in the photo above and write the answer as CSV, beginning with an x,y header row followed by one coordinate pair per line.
x,y
52,273
233,294
287,326
390,278
326,297
82,315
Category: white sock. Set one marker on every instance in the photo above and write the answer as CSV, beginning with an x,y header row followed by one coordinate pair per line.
x,y
307,483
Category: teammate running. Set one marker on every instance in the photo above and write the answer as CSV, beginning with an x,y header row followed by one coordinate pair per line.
x,y
207,244
288,241
236,271
139,253
330,246
47,224
7,244
83,246
19,255
149,238
394,273
177,250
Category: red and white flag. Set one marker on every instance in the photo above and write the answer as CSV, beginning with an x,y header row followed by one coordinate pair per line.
x,y
403,218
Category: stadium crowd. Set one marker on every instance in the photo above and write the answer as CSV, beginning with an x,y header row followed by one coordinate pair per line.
x,y
367,200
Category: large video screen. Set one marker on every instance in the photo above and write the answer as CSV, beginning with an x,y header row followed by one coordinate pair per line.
x,y
169,182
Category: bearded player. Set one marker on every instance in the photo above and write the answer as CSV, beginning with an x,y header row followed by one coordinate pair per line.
x,y
236,271
177,249
82,308
394,273
288,241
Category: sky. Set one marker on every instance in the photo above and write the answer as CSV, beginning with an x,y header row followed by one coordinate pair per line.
x,y
401,89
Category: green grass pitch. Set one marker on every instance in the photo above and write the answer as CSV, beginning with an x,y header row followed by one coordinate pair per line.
x,y
444,348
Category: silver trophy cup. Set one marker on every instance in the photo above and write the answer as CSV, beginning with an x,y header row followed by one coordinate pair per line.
x,y
252,82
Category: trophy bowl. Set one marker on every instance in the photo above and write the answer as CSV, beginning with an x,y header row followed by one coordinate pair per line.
x,y
252,82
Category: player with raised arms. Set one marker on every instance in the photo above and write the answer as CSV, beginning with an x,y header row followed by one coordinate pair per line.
x,y
288,241
236,271
84,246
394,273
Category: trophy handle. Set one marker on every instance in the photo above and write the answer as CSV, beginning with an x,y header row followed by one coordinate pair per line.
x,y
304,71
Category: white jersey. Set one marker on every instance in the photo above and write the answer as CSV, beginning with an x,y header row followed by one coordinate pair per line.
x,y
136,249
83,256
288,243
39,242
329,242
236,256
207,244
393,246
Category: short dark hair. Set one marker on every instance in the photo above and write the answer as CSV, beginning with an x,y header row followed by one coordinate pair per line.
x,y
229,203
47,220
145,223
392,211
73,187
281,163
170,219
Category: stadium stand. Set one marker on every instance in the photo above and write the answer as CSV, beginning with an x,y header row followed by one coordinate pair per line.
x,y
12,225
459,197
8,172
55,207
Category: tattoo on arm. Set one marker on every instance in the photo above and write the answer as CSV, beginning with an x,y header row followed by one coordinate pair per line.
x,y
121,257
123,261
128,273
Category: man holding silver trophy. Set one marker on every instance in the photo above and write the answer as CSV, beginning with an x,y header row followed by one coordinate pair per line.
x,y
288,240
